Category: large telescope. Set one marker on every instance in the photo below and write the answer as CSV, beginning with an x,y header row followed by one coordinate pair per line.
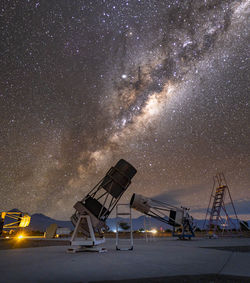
x,y
176,217
93,210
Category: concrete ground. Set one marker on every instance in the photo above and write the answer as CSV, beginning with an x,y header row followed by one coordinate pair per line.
x,y
158,258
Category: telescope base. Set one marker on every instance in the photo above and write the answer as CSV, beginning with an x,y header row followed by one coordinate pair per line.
x,y
86,249
87,244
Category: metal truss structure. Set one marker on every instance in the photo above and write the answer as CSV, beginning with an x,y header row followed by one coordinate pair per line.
x,y
16,220
217,218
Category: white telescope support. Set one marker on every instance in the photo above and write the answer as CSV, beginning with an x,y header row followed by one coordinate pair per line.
x,y
87,244
128,213
166,213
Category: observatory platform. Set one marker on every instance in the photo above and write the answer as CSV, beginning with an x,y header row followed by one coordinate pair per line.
x,y
160,258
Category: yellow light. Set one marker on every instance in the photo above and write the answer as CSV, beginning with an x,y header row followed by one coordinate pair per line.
x,y
7,237
153,231
20,237
3,214
25,221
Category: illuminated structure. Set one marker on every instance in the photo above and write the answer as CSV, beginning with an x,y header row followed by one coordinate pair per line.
x,y
178,218
93,210
217,214
18,220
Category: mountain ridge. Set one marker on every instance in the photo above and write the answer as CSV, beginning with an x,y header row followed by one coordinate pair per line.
x,y
40,222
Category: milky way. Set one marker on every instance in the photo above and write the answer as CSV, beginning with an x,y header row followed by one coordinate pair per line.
x,y
162,84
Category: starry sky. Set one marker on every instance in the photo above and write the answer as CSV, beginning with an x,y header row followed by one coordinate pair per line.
x,y
163,84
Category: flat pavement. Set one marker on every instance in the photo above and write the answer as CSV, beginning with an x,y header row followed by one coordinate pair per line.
x,y
157,258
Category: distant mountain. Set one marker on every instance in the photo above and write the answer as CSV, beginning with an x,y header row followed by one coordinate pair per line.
x,y
40,222
151,223
14,210
138,223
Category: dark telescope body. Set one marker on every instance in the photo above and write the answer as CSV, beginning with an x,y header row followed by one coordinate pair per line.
x,y
102,199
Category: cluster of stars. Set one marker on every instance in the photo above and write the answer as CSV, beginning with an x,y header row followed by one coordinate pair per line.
x,y
162,84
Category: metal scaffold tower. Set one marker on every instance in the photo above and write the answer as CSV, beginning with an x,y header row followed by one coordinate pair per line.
x,y
217,216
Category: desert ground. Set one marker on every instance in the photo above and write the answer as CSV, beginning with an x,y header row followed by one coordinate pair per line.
x,y
158,260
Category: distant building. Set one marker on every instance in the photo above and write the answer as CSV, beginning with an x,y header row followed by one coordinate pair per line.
x,y
63,231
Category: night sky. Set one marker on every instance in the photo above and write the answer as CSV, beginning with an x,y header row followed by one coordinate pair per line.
x,y
161,84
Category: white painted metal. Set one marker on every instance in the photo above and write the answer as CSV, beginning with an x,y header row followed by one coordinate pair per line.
x,y
85,244
129,214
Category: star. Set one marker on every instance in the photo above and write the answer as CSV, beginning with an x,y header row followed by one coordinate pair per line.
x,y
161,84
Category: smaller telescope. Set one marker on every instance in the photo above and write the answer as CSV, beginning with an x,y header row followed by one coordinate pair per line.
x,y
19,220
178,218
93,210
